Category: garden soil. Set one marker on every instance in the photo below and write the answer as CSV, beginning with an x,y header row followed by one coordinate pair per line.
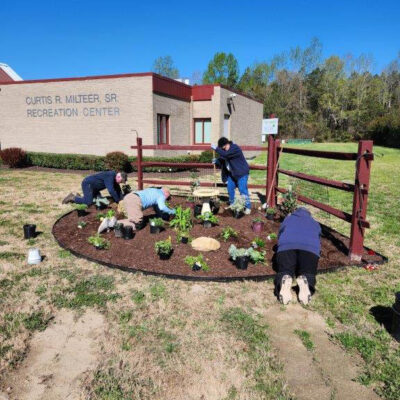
x,y
138,253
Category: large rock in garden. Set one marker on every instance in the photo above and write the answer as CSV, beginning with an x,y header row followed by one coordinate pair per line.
x,y
205,244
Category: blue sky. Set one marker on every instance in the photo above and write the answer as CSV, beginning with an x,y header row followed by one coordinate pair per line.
x,y
54,39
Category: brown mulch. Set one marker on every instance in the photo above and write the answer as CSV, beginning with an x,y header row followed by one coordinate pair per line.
x,y
139,254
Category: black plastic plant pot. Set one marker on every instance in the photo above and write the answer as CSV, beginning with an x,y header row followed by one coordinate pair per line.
x,y
29,231
82,213
197,209
154,229
196,267
128,232
99,248
119,230
184,239
207,224
140,225
101,206
396,318
270,217
237,214
165,256
214,205
242,262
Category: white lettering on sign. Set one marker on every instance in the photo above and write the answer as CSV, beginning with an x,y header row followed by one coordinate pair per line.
x,y
72,108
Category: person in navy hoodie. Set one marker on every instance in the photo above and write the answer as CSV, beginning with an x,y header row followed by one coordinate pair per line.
x,y
93,184
235,170
299,247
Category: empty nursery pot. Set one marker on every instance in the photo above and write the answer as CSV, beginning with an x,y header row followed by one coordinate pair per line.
x,y
197,209
29,231
165,256
237,214
184,239
242,262
119,230
257,227
196,267
154,229
34,256
81,213
128,232
396,318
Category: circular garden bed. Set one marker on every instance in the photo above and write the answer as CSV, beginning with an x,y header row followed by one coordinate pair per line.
x,y
138,254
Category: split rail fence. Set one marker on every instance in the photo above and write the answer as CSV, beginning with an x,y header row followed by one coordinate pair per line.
x,y
360,188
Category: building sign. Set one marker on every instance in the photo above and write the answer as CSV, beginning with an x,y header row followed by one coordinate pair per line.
x,y
72,105
270,126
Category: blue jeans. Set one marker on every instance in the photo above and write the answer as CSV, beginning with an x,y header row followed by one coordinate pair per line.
x,y
88,194
241,184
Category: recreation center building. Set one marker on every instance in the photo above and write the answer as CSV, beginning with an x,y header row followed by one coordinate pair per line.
x,y
99,114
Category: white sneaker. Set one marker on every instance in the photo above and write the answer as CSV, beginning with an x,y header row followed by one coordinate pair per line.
x,y
304,290
104,225
285,294
247,211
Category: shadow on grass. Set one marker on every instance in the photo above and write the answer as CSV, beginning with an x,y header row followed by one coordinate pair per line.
x,y
383,315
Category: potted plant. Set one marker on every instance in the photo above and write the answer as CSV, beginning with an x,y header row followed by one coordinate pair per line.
x,y
208,219
238,206
289,203
257,225
239,256
227,233
119,230
164,248
100,216
183,237
81,224
101,202
182,220
98,242
128,232
81,209
272,236
156,225
271,213
257,243
197,263
256,256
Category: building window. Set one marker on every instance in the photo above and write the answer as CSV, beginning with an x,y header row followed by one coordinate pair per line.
x,y
162,129
202,131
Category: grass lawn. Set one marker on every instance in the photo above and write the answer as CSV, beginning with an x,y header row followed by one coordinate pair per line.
x,y
170,335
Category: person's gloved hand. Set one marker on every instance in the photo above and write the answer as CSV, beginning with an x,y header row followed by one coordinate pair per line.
x,y
213,146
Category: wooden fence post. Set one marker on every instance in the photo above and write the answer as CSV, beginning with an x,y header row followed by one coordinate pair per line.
x,y
139,160
360,198
270,192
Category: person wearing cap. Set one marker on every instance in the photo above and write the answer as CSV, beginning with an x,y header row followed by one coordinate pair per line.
x,y
299,247
136,202
235,169
93,184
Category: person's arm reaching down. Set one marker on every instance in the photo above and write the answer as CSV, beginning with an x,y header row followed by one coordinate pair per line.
x,y
162,206
109,182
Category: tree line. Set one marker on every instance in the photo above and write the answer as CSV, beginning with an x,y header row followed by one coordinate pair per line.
x,y
331,99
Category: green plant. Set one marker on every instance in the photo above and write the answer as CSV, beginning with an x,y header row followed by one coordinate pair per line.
x,y
272,236
110,214
289,203
81,224
163,246
194,181
81,207
117,161
271,211
206,156
234,252
208,217
199,260
99,201
228,232
157,222
305,337
239,204
99,242
14,157
100,216
257,220
182,221
256,256
259,242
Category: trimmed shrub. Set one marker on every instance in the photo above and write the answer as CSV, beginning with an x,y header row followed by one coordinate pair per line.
x,y
117,161
14,157
206,156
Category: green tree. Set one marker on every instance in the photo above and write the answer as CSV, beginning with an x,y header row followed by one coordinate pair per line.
x,y
165,67
224,69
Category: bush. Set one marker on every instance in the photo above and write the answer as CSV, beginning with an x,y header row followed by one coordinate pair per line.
x,y
14,157
117,161
66,161
206,156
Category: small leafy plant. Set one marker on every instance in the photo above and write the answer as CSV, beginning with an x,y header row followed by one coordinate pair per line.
x,y
110,214
81,224
182,221
258,242
257,220
101,201
289,203
235,252
157,222
271,211
239,204
228,232
163,246
100,216
208,217
256,256
199,260
272,236
99,242
80,207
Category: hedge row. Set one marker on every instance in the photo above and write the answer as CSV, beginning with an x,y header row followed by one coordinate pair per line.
x,y
98,163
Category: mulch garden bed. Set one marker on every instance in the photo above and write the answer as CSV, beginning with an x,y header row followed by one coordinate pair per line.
x,y
138,254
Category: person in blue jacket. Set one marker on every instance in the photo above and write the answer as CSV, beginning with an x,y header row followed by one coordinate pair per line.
x,y
299,247
93,184
235,169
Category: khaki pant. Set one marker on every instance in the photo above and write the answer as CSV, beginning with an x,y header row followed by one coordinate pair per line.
x,y
133,207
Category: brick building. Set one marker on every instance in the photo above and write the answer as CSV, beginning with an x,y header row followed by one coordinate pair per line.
x,y
98,114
